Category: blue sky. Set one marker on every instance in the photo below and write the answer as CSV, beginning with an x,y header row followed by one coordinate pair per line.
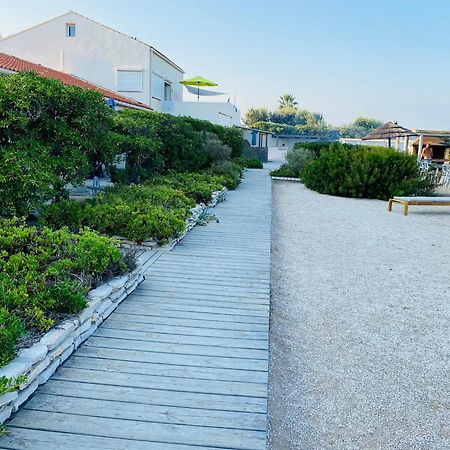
x,y
344,58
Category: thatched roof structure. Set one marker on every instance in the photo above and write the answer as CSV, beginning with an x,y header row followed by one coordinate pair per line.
x,y
434,141
388,131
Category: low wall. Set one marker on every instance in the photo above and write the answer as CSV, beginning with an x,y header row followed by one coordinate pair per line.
x,y
259,153
38,362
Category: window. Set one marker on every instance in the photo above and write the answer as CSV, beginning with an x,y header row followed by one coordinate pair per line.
x,y
157,87
167,91
129,80
70,30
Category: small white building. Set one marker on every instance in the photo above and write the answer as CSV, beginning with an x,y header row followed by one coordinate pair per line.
x,y
77,45
220,113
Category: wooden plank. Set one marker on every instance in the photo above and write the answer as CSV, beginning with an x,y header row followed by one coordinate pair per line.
x,y
174,384
216,324
119,333
181,291
180,348
175,302
150,396
147,413
31,439
200,285
190,307
206,280
232,301
141,431
116,321
145,310
219,362
164,370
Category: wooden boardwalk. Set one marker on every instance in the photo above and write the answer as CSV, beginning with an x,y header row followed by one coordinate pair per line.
x,y
182,363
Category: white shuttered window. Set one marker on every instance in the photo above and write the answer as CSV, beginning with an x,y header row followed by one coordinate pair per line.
x,y
157,86
129,80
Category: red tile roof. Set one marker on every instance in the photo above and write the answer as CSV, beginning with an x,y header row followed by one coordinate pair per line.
x,y
15,64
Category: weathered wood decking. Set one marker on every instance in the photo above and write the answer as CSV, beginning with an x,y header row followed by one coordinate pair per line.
x,y
182,363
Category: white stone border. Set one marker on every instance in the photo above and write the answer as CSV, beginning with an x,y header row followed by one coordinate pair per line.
x,y
216,198
286,179
39,362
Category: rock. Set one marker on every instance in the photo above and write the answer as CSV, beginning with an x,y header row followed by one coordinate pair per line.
x,y
103,307
7,398
116,295
61,347
58,334
34,373
108,311
48,372
117,282
100,293
66,353
82,328
5,413
149,244
24,395
18,366
80,339
35,353
89,310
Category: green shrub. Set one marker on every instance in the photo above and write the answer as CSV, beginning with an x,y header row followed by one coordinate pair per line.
x,y
363,172
45,274
284,171
11,329
66,127
298,158
215,150
249,163
229,171
135,137
198,186
63,213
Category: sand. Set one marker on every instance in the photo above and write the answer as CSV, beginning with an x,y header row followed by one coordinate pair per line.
x,y
360,324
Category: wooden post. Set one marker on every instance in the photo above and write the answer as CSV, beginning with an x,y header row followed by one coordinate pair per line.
x,y
397,143
405,144
420,148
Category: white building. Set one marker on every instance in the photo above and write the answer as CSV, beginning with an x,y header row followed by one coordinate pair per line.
x,y
77,45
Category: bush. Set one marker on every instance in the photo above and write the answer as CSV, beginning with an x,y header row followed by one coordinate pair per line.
x,y
284,171
298,158
65,128
45,274
215,150
136,138
229,171
363,172
197,186
249,163
11,329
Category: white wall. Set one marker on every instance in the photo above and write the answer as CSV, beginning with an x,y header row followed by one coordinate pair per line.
x,y
225,114
94,54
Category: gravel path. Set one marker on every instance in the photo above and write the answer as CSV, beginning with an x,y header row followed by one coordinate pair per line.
x,y
360,333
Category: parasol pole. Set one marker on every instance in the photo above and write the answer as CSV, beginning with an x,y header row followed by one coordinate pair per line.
x,y
198,91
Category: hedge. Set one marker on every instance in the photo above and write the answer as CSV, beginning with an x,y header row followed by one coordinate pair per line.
x,y
45,275
156,210
364,172
52,135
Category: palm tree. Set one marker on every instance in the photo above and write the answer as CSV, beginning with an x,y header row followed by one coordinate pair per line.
x,y
287,101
